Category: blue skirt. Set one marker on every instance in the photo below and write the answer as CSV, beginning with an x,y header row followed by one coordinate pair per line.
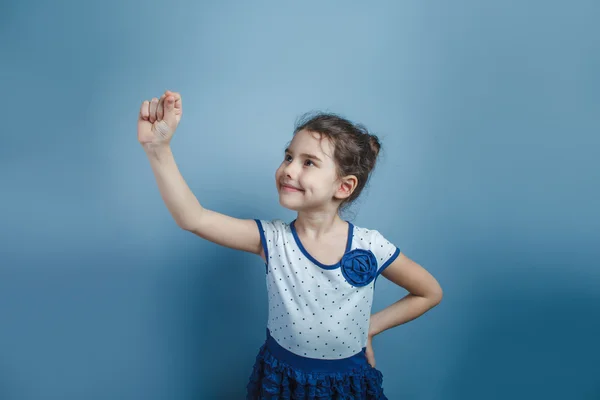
x,y
282,375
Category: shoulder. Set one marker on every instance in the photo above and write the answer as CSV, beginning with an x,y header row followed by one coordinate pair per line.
x,y
272,225
385,250
272,230
272,235
369,236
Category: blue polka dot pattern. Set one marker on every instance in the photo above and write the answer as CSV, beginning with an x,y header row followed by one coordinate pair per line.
x,y
313,311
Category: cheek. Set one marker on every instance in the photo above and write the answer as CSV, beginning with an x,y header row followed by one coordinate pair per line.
x,y
316,184
325,182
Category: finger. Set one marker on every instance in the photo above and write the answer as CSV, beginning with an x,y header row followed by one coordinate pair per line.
x,y
170,116
178,103
160,110
177,100
153,107
371,360
145,110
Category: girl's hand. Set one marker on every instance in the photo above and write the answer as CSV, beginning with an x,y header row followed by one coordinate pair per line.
x,y
369,352
159,118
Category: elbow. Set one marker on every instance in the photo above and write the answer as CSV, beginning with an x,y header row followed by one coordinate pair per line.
x,y
191,220
437,299
186,225
436,296
181,224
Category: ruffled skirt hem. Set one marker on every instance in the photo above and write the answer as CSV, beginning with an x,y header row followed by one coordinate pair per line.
x,y
273,379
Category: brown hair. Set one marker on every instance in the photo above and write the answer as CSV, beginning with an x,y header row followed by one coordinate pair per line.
x,y
355,149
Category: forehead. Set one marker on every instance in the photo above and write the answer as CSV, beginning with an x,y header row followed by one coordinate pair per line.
x,y
311,142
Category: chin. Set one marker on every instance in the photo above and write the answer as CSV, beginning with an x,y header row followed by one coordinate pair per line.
x,y
290,205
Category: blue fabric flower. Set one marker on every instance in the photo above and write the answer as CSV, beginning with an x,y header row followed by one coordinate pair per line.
x,y
359,267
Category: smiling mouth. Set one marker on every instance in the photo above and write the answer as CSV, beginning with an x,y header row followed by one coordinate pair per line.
x,y
289,188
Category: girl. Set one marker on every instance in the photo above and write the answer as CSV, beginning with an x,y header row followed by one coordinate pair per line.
x,y
320,269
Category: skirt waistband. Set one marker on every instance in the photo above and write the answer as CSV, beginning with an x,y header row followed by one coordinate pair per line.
x,y
359,360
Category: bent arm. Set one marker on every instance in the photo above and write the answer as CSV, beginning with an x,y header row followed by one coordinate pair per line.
x,y
239,234
424,294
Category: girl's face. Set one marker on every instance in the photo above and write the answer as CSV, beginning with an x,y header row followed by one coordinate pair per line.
x,y
307,178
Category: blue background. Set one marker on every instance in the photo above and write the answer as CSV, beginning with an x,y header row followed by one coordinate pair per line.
x,y
489,178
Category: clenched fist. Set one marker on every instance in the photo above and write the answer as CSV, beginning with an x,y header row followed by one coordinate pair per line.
x,y
159,118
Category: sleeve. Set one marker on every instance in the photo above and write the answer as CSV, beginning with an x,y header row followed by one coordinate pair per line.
x,y
385,251
269,235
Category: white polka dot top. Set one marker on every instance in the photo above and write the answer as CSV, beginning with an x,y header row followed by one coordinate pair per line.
x,y
316,310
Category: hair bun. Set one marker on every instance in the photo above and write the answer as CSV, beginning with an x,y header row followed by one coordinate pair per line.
x,y
375,144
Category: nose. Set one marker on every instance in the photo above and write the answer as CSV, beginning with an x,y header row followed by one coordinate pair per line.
x,y
290,170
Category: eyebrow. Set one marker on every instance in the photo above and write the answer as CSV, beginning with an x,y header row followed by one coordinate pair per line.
x,y
305,155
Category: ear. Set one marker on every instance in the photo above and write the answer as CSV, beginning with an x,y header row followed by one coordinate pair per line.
x,y
346,186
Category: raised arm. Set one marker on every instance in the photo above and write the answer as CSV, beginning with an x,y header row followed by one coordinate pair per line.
x,y
157,122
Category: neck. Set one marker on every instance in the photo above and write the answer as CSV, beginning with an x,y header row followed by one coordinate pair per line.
x,y
317,224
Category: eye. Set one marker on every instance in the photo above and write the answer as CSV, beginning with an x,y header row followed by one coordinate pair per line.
x,y
309,163
287,158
